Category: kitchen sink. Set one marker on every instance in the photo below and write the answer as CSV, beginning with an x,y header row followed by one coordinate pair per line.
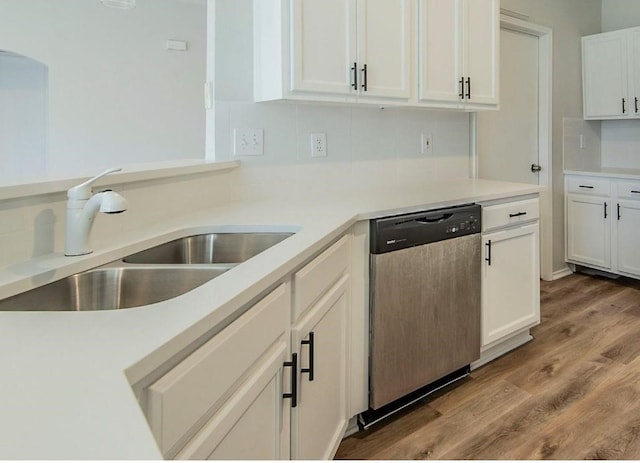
x,y
112,288
210,248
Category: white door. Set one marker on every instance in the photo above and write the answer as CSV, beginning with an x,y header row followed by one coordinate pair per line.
x,y
508,141
589,230
384,46
323,45
628,215
511,286
605,75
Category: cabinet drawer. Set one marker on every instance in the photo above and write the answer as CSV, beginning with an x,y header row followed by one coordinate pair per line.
x,y
589,186
502,215
191,391
319,275
630,190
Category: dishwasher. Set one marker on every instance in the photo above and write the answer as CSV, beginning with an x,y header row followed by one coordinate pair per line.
x,y
424,305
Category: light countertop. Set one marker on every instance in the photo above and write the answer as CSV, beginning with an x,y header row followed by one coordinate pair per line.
x,y
607,172
66,383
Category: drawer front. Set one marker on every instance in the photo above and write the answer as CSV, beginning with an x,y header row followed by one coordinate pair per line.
x,y
319,275
589,186
190,392
629,190
502,215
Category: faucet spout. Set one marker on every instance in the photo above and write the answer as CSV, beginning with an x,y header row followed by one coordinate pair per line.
x,y
81,212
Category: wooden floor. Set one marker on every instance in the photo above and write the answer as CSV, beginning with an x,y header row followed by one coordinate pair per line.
x,y
572,393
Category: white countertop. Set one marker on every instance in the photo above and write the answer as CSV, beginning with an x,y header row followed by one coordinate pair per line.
x,y
66,376
607,172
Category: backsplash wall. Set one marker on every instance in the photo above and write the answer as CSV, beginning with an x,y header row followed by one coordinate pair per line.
x,y
621,144
355,135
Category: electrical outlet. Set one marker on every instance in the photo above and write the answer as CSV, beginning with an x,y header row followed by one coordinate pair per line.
x,y
318,145
248,142
427,143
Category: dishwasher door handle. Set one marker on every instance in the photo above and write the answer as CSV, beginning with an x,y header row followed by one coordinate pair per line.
x,y
434,219
488,258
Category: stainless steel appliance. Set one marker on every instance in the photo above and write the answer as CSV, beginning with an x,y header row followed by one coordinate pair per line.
x,y
424,301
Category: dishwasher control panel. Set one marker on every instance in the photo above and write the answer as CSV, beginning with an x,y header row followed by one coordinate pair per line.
x,y
408,230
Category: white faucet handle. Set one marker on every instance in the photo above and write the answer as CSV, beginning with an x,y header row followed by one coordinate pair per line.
x,y
83,191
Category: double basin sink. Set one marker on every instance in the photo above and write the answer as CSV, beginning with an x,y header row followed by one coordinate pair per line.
x,y
153,275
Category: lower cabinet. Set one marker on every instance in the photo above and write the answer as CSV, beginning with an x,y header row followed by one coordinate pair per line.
x,y
589,230
510,282
320,418
628,239
265,388
510,275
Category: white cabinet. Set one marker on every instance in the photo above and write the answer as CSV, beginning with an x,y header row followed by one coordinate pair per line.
x,y
511,270
322,295
332,50
264,388
611,74
213,400
459,53
628,236
588,222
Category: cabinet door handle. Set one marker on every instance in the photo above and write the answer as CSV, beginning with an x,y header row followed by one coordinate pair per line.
x,y
488,245
585,186
635,191
517,214
355,76
605,211
364,83
461,94
623,108
311,343
618,211
468,88
636,104
293,395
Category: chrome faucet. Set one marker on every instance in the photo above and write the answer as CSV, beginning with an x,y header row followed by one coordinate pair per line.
x,y
82,208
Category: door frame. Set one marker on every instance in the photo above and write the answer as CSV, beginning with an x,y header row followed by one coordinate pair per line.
x,y
545,176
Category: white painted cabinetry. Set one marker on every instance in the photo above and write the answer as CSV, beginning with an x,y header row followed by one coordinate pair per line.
x,y
459,53
370,51
322,298
611,74
264,388
206,405
332,50
602,220
510,275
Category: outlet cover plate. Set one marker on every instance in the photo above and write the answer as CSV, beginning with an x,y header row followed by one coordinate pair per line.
x,y
318,145
248,142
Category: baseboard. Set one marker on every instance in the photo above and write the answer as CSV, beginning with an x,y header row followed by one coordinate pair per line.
x,y
502,348
565,272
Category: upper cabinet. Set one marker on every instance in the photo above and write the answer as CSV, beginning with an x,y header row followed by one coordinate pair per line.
x,y
459,53
611,75
378,52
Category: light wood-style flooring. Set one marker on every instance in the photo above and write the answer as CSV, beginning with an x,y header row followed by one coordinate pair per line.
x,y
572,393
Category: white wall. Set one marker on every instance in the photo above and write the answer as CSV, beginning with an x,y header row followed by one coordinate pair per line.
x,y
355,135
117,96
620,139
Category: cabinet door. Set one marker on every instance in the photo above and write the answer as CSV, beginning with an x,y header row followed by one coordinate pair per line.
x,y
481,31
634,76
384,46
253,424
323,45
510,282
605,76
440,51
588,230
628,237
320,419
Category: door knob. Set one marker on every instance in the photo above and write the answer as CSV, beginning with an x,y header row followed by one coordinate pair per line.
x,y
536,167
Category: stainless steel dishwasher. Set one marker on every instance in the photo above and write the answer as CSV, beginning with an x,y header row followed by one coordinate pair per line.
x,y
425,304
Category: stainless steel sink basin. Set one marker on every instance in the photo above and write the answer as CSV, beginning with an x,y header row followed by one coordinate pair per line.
x,y
112,288
212,248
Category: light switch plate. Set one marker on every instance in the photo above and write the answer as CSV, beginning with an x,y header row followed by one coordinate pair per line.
x,y
248,142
